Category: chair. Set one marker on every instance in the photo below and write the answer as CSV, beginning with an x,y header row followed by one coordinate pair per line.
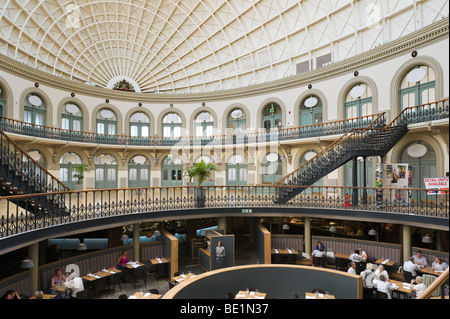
x,y
341,264
318,261
252,289
98,287
138,274
230,295
171,285
382,295
276,259
113,280
154,291
407,276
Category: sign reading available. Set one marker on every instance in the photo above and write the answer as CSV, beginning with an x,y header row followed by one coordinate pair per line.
x,y
437,185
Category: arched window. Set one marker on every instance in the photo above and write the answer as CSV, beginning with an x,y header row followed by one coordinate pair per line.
x,y
106,122
37,156
358,101
237,121
139,125
422,159
417,87
237,171
172,171
2,102
72,117
271,168
34,110
311,111
139,172
171,126
272,117
105,171
67,165
204,125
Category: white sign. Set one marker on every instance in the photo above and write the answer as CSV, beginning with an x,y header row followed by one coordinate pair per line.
x,y
437,185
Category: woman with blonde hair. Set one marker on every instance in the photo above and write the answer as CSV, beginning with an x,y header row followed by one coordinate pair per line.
x,y
368,276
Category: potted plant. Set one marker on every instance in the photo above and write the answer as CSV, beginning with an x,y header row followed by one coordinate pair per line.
x,y
79,175
202,171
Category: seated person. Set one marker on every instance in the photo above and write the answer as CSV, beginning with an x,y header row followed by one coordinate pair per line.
x,y
419,286
381,272
362,253
384,285
419,259
411,267
57,280
438,264
352,269
355,256
319,253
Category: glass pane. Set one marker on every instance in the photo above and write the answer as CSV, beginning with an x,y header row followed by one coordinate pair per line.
x,y
112,129
65,124
144,174
99,174
63,174
111,174
76,125
232,174
100,128
177,131
209,130
166,131
278,123
132,175
27,116
134,130
40,119
428,96
144,131
317,118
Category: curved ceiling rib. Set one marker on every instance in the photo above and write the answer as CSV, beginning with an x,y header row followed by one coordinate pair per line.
x,y
182,46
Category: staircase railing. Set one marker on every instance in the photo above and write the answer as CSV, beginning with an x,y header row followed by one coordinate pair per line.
x,y
410,115
338,146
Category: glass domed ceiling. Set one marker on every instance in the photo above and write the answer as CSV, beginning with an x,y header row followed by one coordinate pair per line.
x,y
182,46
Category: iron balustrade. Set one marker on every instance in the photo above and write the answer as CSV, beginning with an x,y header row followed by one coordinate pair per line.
x,y
250,137
103,203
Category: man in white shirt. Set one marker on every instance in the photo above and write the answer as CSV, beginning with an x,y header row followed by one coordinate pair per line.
x,y
352,269
411,267
419,259
355,256
385,286
381,272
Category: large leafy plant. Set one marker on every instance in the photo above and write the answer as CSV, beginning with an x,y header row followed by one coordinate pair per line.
x,y
201,170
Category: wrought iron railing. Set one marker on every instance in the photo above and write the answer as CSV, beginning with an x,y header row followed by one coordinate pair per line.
x,y
374,140
95,204
322,129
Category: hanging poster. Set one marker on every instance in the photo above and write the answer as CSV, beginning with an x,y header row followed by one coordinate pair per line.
x,y
436,185
397,176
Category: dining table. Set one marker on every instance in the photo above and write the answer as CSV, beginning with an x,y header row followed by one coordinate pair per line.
x,y
429,271
144,295
242,294
101,274
158,260
310,295
183,278
44,296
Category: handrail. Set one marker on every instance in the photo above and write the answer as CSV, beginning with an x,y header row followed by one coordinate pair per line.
x,y
436,284
86,205
283,133
341,139
353,131
29,158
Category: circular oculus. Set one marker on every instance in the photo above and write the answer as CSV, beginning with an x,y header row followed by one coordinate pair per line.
x,y
35,100
357,91
311,102
417,150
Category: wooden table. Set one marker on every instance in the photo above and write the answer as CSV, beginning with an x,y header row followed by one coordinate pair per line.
x,y
101,274
156,261
144,295
389,263
45,296
429,271
250,295
340,255
134,264
285,251
183,278
310,295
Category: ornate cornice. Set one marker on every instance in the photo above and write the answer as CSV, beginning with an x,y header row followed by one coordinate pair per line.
x,y
432,33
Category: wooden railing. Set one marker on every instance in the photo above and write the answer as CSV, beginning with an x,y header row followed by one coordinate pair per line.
x,y
437,284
